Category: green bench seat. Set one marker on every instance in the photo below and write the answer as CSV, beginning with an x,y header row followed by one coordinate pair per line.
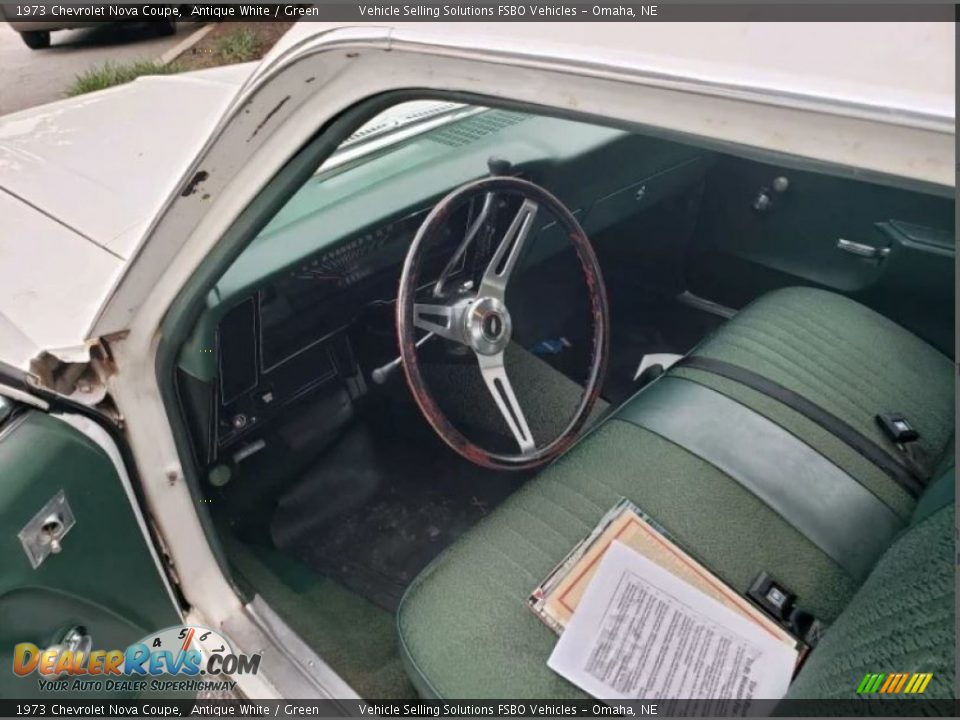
x,y
464,626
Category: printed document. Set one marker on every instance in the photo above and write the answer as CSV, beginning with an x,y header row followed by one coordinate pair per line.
x,y
555,600
639,632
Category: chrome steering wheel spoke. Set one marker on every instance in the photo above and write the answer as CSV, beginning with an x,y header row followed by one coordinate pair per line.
x,y
497,275
495,376
456,260
447,321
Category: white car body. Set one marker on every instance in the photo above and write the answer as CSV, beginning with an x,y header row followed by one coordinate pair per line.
x,y
744,84
99,231
81,199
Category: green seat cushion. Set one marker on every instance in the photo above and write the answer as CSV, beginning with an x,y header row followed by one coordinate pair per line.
x,y
464,624
901,620
845,358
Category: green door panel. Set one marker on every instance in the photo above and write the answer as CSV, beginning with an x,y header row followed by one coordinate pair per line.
x,y
42,616
104,579
739,253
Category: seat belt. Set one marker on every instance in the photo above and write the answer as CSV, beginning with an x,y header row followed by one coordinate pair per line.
x,y
907,474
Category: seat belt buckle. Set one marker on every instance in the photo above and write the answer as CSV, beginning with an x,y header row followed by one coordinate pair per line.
x,y
896,427
780,604
806,627
772,597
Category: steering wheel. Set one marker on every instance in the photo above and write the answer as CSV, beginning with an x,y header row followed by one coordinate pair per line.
x,y
480,320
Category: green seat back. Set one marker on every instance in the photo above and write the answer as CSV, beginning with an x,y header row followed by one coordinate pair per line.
x,y
902,619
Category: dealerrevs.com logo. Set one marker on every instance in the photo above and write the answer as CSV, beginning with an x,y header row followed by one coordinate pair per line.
x,y
174,659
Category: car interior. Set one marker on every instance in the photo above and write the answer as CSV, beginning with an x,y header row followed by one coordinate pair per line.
x,y
757,351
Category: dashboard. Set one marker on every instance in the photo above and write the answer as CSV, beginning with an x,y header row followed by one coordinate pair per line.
x,y
314,298
291,335
280,320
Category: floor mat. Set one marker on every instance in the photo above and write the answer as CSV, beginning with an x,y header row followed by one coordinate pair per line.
x,y
381,506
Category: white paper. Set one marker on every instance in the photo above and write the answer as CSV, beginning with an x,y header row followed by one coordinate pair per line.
x,y
665,360
639,633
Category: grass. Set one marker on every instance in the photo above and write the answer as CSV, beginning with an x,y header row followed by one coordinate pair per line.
x,y
110,74
239,46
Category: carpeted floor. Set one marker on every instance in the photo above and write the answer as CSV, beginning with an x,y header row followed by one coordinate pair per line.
x,y
350,531
357,639
379,507
389,496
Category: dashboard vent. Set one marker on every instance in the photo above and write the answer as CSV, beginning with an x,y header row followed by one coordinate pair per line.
x,y
400,116
474,128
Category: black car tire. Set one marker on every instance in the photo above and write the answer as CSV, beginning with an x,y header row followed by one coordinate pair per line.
x,y
36,39
166,27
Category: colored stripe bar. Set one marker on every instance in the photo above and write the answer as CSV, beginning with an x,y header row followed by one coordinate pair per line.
x,y
914,681
894,683
903,680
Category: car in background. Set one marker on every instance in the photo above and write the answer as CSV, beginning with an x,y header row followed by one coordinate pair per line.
x,y
36,30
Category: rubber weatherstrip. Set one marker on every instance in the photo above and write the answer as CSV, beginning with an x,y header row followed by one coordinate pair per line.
x,y
892,465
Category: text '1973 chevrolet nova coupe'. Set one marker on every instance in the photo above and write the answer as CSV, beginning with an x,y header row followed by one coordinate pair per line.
x,y
342,358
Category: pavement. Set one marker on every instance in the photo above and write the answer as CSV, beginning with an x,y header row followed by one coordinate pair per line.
x,y
34,77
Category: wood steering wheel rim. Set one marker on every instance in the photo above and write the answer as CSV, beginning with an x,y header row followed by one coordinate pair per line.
x,y
406,328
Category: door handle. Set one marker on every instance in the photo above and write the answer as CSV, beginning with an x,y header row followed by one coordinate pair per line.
x,y
862,250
